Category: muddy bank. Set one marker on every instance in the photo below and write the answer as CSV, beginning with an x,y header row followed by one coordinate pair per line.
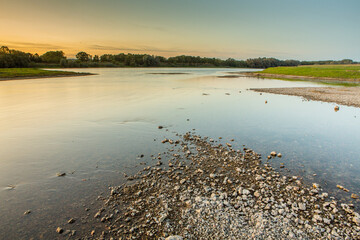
x,y
200,189
50,76
315,79
349,96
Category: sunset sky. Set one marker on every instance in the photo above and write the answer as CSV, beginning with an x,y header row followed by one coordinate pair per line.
x,y
297,29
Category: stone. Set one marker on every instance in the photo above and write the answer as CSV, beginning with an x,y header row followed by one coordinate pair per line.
x,y
354,196
27,212
245,192
316,218
59,230
279,155
356,220
174,237
71,220
62,174
302,206
273,153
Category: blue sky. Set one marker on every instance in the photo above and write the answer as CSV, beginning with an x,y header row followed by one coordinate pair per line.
x,y
304,30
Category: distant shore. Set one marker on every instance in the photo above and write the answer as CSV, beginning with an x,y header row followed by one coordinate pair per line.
x,y
9,74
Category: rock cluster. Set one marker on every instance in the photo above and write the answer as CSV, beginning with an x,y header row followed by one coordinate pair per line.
x,y
210,191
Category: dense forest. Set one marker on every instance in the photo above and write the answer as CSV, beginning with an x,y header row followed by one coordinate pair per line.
x,y
10,58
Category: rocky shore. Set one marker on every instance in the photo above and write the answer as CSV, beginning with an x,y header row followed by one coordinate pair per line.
x,y
349,96
200,189
296,77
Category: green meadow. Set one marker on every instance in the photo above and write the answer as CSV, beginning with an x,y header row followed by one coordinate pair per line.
x,y
351,72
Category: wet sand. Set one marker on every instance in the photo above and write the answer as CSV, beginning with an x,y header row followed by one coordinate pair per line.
x,y
349,96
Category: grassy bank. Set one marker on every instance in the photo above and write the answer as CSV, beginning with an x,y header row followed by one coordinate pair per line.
x,y
327,72
18,73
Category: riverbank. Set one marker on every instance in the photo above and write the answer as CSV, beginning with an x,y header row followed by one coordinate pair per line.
x,y
349,96
7,74
200,189
327,73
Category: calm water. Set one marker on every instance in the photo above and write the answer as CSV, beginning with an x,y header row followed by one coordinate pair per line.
x,y
95,127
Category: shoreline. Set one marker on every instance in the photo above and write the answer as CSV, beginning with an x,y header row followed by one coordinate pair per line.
x,y
349,96
295,77
50,76
209,190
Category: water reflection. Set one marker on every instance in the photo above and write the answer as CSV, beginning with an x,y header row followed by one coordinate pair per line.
x,y
93,128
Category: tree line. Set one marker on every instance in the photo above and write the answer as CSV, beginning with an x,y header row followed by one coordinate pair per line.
x,y
10,58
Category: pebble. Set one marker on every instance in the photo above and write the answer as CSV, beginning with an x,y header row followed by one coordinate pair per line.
x,y
175,237
315,185
302,206
353,195
59,230
27,212
71,220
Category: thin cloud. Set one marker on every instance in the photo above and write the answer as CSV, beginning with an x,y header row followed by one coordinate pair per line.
x,y
160,29
33,45
111,48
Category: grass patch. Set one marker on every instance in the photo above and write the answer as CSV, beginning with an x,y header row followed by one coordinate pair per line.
x,y
350,72
9,73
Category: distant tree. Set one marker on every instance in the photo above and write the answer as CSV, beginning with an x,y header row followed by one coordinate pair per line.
x,y
346,61
4,49
34,57
63,62
96,58
10,58
83,56
52,56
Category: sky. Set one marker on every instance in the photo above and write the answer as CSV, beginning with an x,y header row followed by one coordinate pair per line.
x,y
240,29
